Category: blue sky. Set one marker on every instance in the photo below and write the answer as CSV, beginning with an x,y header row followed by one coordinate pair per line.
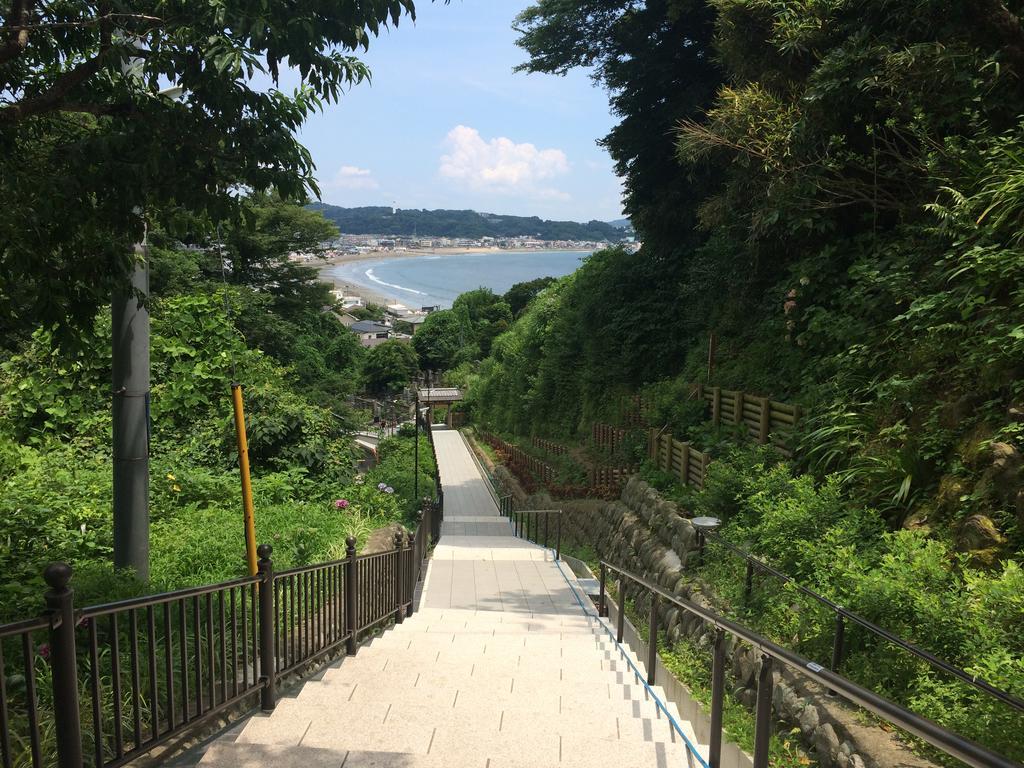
x,y
445,123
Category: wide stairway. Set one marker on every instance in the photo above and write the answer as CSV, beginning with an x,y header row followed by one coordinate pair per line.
x,y
501,666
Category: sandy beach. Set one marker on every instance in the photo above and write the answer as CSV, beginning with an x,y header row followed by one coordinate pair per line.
x,y
375,295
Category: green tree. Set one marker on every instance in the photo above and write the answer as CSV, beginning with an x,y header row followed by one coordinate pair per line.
x,y
92,151
390,367
259,245
438,340
521,294
654,59
484,316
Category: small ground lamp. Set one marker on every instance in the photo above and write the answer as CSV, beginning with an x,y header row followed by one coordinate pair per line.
x,y
704,526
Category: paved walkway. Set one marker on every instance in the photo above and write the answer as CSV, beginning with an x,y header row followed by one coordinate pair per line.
x,y
500,667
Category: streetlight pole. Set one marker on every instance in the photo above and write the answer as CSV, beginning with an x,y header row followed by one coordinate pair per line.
x,y
129,311
416,449
130,357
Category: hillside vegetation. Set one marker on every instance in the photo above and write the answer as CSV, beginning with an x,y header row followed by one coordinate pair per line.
x,y
377,220
260,322
833,192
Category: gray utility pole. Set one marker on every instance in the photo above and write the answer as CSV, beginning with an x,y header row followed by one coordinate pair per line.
x,y
130,348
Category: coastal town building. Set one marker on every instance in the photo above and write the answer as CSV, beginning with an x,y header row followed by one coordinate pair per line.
x,y
372,333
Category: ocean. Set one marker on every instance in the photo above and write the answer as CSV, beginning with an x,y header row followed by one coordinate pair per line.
x,y
421,281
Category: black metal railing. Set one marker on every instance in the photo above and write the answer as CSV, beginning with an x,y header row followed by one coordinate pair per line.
x,y
157,664
944,740
103,685
843,615
506,505
535,525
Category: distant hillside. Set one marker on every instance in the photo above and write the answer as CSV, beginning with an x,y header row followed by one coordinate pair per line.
x,y
379,220
622,224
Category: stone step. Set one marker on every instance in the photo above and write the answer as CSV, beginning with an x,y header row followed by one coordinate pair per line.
x,y
469,696
515,664
480,645
235,755
501,646
553,625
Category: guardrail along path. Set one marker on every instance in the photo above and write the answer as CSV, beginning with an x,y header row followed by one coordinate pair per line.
x,y
499,667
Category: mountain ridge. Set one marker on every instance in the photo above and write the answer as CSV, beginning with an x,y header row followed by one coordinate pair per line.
x,y
382,220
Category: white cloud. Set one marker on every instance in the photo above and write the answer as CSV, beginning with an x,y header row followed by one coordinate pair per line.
x,y
351,177
501,165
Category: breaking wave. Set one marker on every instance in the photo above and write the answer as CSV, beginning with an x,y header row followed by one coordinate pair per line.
x,y
369,274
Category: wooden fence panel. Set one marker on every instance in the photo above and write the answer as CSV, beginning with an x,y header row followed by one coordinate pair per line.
x,y
761,415
551,447
607,437
678,458
614,476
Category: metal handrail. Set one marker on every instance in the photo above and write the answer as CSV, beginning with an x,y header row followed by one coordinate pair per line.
x,y
171,660
845,613
146,601
950,743
636,672
525,525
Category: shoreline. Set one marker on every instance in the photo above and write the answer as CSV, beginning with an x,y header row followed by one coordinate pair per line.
x,y
375,296
348,258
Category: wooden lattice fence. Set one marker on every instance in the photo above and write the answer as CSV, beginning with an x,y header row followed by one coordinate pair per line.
x,y
678,458
555,449
607,437
766,420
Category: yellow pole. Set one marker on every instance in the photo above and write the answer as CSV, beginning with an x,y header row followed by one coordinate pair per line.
x,y
243,465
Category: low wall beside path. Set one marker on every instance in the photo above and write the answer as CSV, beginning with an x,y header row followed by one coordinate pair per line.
x,y
644,533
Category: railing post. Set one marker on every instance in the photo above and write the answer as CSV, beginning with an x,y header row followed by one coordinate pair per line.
x,y
838,641
652,640
61,609
436,519
558,538
547,519
602,606
411,577
763,722
717,701
766,420
685,461
268,656
399,581
620,630
748,584
351,593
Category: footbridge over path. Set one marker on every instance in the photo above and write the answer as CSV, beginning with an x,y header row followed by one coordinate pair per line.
x,y
504,664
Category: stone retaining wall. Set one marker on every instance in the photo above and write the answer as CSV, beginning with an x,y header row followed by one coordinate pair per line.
x,y
646,534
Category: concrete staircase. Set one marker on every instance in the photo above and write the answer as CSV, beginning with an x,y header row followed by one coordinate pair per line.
x,y
501,666
483,689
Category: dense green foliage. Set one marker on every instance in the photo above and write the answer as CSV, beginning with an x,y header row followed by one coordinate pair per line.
x,y
463,333
378,220
297,364
856,252
521,294
390,367
905,581
831,191
93,152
